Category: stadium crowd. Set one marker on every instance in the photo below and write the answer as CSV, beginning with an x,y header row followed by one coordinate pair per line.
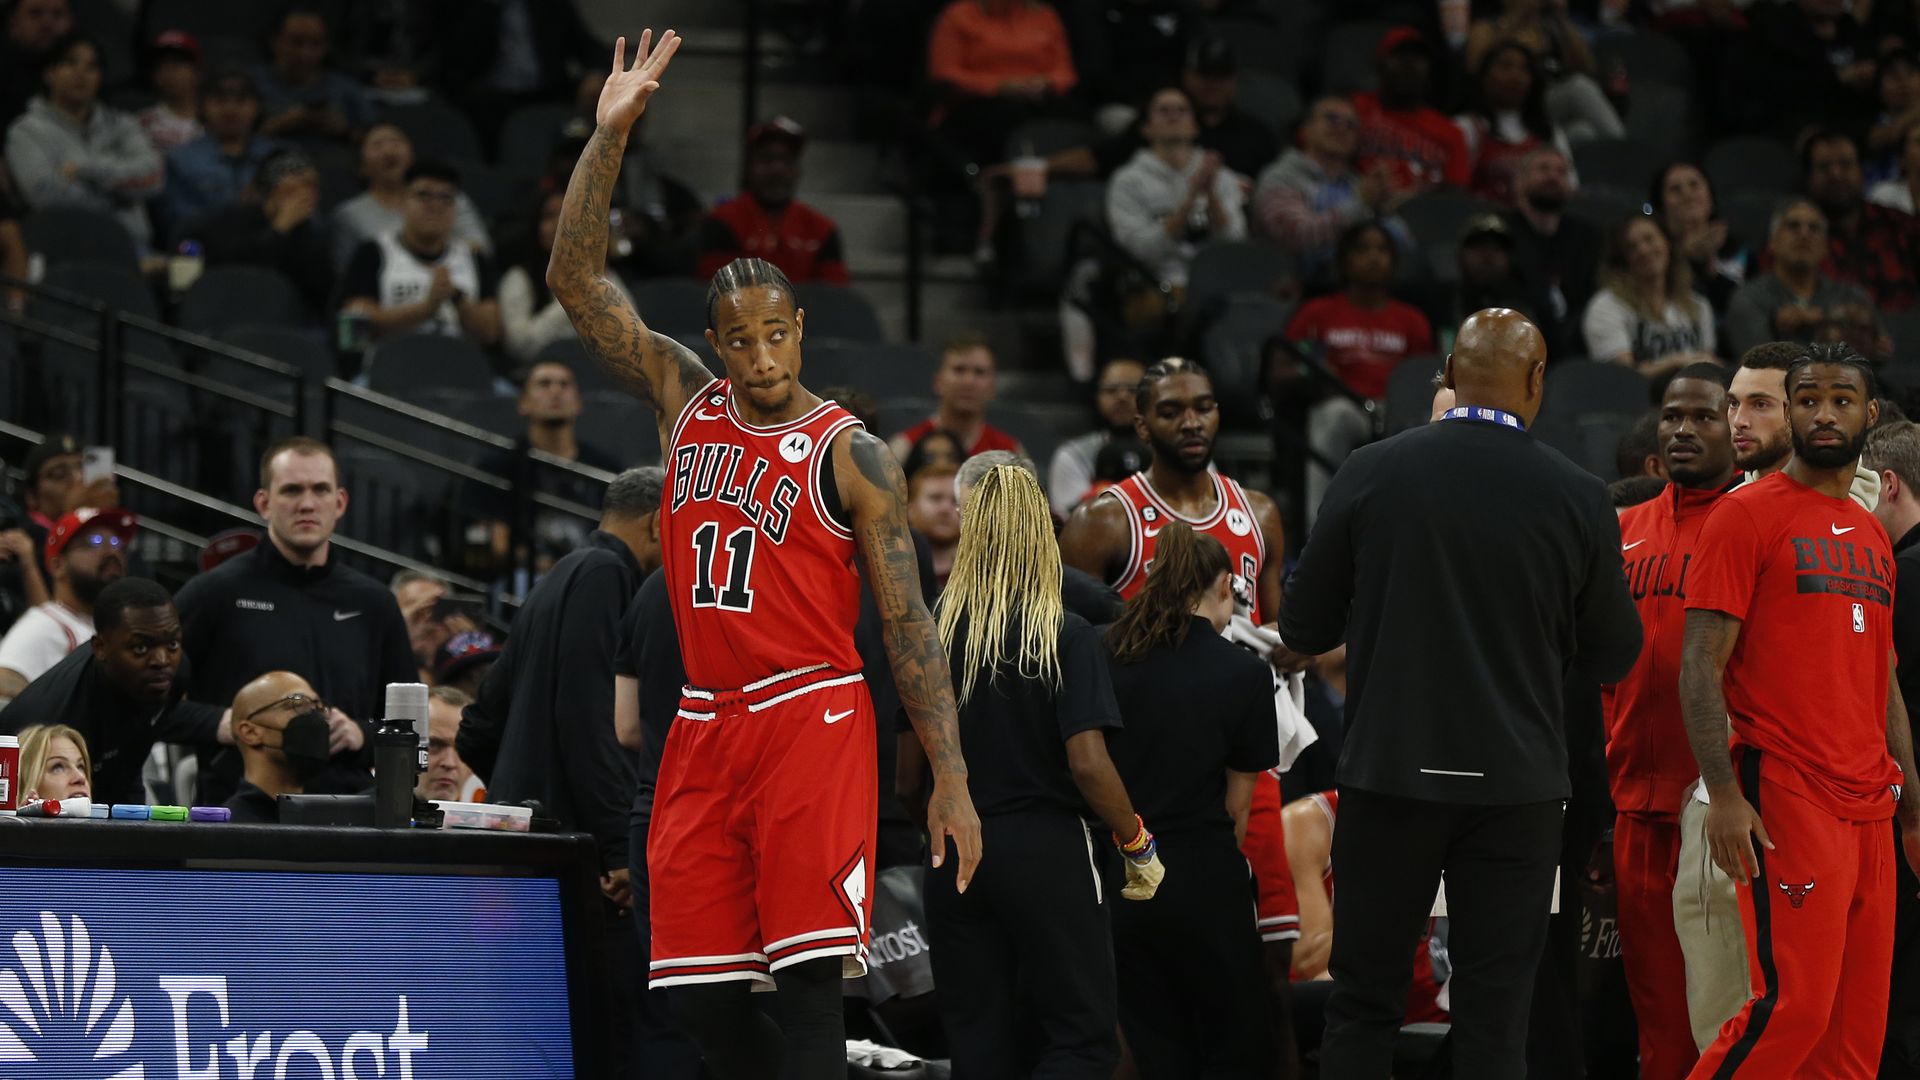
x,y
1688,198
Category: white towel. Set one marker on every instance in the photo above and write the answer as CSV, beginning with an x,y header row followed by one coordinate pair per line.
x,y
1289,691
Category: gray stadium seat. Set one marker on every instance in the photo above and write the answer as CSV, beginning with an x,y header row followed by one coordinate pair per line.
x,y
1436,218
529,135
1258,45
68,235
676,307
1661,119
1224,270
1409,401
419,361
1617,164
1588,387
839,311
588,375
1040,427
287,345
1272,99
1231,346
1049,136
438,130
1042,239
226,295
1749,216
622,427
1650,59
883,371
1752,163
1347,57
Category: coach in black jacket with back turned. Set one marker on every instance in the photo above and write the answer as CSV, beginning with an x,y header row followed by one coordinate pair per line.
x,y
1459,634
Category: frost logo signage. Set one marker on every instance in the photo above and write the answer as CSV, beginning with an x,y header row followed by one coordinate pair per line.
x,y
67,1016
162,974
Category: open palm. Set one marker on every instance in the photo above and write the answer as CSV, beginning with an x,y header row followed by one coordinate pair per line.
x,y
625,95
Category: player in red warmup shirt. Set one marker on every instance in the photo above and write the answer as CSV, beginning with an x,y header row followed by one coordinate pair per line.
x,y
1649,765
1789,635
1111,537
761,852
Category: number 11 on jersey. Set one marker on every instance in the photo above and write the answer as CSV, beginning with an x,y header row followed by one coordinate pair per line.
x,y
737,595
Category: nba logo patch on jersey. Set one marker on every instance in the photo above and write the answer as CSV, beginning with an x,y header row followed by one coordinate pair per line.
x,y
1859,623
796,446
1238,522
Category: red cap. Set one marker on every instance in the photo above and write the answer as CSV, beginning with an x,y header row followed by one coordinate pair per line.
x,y
121,523
780,127
177,41
1397,38
226,545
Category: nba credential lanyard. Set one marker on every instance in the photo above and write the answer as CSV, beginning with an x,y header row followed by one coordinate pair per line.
x,y
1490,416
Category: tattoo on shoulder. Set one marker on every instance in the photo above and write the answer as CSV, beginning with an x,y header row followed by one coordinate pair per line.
x,y
877,463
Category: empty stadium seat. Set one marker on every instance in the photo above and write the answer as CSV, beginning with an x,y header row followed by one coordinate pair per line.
x,y
300,348
1272,99
676,307
1231,349
1751,163
529,135
839,311
1346,55
1226,269
1596,386
1617,164
1650,59
1042,240
64,234
438,130
881,370
419,361
1436,218
226,295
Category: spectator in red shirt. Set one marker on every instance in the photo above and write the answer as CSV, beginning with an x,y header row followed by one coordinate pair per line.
x,y
964,384
1871,245
1363,334
994,63
766,222
1397,126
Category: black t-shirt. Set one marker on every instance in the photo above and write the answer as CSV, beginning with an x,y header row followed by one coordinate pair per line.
x,y
649,651
1014,731
1192,712
251,806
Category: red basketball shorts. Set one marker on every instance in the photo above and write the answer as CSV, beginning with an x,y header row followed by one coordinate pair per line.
x,y
761,849
1819,922
1265,847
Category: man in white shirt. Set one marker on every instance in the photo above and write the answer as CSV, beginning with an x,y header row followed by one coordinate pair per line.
x,y
86,551
422,279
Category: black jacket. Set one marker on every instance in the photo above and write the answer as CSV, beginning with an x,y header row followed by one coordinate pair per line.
x,y
1906,619
1466,566
332,625
119,730
542,727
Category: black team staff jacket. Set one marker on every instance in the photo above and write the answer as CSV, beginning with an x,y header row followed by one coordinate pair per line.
x,y
331,625
119,730
1465,565
542,726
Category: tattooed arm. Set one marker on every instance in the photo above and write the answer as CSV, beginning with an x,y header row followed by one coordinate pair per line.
x,y
1732,822
655,368
872,487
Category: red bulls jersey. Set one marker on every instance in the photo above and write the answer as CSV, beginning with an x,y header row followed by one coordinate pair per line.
x,y
761,576
1232,523
1649,761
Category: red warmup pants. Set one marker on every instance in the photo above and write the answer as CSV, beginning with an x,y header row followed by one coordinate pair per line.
x,y
1819,921
1646,853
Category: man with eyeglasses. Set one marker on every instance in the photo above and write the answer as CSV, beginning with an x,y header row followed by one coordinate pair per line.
x,y
421,279
124,693
1071,472
86,551
280,726
1796,301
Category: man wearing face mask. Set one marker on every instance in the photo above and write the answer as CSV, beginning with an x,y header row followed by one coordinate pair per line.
x,y
280,726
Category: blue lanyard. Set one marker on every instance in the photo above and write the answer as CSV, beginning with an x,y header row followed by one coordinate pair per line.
x,y
1491,416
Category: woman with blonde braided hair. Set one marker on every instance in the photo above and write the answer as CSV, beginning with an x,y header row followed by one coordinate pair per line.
x,y
1028,945
1196,996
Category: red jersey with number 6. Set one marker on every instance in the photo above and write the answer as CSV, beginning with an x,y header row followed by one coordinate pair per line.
x,y
760,572
1232,523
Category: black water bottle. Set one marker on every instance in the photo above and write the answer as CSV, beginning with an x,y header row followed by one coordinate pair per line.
x,y
398,759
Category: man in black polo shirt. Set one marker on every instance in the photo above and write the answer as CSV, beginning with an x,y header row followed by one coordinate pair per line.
x,y
1459,635
123,692
288,605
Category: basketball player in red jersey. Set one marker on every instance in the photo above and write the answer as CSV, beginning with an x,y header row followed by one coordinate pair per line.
x,y
761,849
1789,635
1111,537
1649,765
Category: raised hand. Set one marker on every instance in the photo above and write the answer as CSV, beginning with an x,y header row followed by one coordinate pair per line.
x,y
625,95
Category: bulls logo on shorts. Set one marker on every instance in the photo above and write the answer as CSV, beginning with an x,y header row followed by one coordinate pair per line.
x,y
1239,522
796,446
